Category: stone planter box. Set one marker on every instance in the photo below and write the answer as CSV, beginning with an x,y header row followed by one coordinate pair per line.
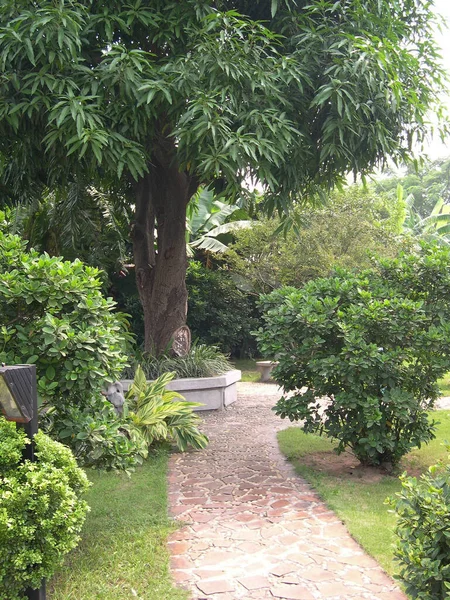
x,y
214,393
265,368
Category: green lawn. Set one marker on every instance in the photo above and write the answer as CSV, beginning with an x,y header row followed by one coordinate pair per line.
x,y
444,385
358,503
248,368
123,549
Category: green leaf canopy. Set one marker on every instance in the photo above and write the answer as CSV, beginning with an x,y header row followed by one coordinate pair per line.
x,y
292,93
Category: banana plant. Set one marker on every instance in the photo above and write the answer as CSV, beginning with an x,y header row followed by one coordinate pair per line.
x,y
207,221
435,226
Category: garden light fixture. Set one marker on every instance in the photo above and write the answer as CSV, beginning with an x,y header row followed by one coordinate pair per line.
x,y
16,392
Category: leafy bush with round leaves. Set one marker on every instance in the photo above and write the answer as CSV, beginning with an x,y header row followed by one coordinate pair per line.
x,y
367,349
97,436
52,314
41,510
423,538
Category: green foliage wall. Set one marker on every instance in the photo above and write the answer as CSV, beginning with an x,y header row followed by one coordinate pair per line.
x,y
219,313
53,314
427,184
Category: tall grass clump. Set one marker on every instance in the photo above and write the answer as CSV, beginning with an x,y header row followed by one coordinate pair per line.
x,y
201,361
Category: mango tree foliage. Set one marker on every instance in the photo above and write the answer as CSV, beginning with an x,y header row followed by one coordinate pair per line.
x,y
151,98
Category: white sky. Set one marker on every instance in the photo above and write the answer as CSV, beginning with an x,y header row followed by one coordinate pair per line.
x,y
436,149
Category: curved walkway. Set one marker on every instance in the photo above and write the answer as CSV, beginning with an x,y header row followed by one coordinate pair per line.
x,y
255,530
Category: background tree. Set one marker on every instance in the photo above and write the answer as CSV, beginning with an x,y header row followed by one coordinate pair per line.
x,y
78,222
344,232
151,98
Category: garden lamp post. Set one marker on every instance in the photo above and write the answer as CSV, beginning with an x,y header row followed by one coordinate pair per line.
x,y
18,402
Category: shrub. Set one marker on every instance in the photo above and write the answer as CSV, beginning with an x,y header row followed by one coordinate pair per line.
x,y
41,510
372,344
219,313
52,314
97,437
423,539
159,414
201,361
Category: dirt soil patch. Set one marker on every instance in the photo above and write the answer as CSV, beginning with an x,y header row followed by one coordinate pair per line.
x,y
346,466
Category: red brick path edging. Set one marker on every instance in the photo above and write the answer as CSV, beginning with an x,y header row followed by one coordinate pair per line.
x,y
255,530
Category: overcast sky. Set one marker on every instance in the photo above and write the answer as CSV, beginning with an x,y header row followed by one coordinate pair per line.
x,y
436,148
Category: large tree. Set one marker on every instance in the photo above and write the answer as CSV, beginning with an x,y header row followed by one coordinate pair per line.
x,y
151,98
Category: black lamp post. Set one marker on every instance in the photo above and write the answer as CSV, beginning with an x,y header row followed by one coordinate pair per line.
x,y
18,402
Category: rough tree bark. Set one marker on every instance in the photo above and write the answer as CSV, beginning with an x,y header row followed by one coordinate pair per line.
x,y
161,200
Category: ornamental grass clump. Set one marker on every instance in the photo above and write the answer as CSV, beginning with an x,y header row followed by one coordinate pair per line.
x,y
367,350
200,361
41,510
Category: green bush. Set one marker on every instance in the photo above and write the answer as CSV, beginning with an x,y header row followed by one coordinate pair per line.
x,y
97,437
373,345
201,361
219,313
423,537
52,314
41,510
159,414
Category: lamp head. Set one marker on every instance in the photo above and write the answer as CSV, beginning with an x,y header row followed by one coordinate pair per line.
x,y
17,392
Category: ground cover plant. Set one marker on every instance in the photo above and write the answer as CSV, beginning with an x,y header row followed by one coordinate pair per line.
x,y
373,345
444,385
97,436
248,368
42,509
123,551
357,494
157,414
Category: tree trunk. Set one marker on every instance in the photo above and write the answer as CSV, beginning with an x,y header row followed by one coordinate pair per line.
x,y
162,196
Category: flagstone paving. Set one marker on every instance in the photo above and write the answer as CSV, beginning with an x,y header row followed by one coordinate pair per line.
x,y
255,530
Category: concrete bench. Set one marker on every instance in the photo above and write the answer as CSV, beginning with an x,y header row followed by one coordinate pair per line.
x,y
265,368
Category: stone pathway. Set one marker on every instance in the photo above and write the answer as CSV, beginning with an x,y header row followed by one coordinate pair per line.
x,y
255,530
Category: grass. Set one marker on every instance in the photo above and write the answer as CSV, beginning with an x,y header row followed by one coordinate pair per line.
x,y
248,368
123,549
360,503
444,385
